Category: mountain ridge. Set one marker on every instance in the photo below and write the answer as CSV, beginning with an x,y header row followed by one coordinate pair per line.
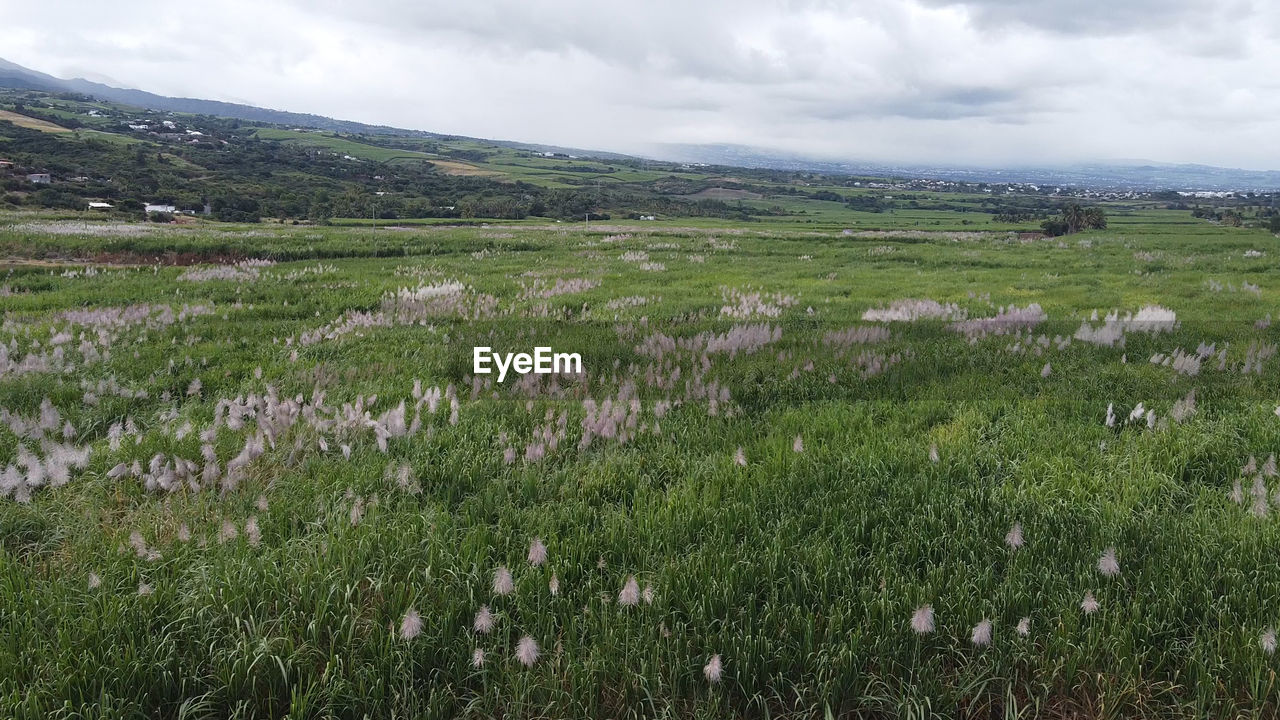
x,y
1102,174
1138,175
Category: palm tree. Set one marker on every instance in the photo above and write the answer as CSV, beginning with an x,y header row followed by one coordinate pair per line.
x,y
1074,216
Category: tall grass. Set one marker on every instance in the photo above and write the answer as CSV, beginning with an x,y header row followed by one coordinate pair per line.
x,y
787,505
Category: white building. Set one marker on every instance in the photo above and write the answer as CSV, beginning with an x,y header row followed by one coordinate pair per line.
x,y
161,209
93,205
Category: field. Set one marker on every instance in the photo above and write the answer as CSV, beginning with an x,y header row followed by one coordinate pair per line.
x,y
500,162
247,471
29,122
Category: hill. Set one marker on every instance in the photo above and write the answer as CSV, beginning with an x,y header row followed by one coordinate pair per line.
x,y
233,166
13,75
1126,175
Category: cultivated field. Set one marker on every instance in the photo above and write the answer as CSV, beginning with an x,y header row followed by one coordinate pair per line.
x,y
247,472
29,122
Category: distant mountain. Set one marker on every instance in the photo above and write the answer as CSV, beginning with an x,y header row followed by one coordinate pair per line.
x,y
1119,175
1114,175
15,76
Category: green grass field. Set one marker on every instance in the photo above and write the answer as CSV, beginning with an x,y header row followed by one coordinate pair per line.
x,y
500,162
275,488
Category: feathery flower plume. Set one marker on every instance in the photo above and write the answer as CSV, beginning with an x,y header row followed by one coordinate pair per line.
x,y
922,620
502,582
184,533
1108,565
477,658
981,634
1111,415
933,453
1089,605
554,585
138,543
262,503
740,457
1014,538
145,589
252,532
537,552
227,532
630,593
1138,411
94,581
1046,371
1260,506
484,620
527,651
1024,627
410,625
1268,641
911,310
714,669
798,444
648,594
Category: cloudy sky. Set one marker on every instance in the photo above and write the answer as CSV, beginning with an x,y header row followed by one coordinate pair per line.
x,y
981,82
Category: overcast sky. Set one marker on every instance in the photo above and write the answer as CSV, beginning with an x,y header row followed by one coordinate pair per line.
x,y
986,82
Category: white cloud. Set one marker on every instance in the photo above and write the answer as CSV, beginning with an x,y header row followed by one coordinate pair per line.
x,y
986,81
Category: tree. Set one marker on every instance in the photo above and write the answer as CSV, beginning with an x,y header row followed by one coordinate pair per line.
x,y
1054,227
1074,216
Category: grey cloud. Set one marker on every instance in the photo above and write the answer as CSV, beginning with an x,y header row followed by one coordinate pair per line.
x,y
1091,17
943,105
914,79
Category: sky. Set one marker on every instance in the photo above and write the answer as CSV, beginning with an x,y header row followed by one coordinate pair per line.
x,y
985,82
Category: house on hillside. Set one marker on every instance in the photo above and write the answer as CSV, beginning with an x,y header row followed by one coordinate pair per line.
x,y
157,208
40,178
95,205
